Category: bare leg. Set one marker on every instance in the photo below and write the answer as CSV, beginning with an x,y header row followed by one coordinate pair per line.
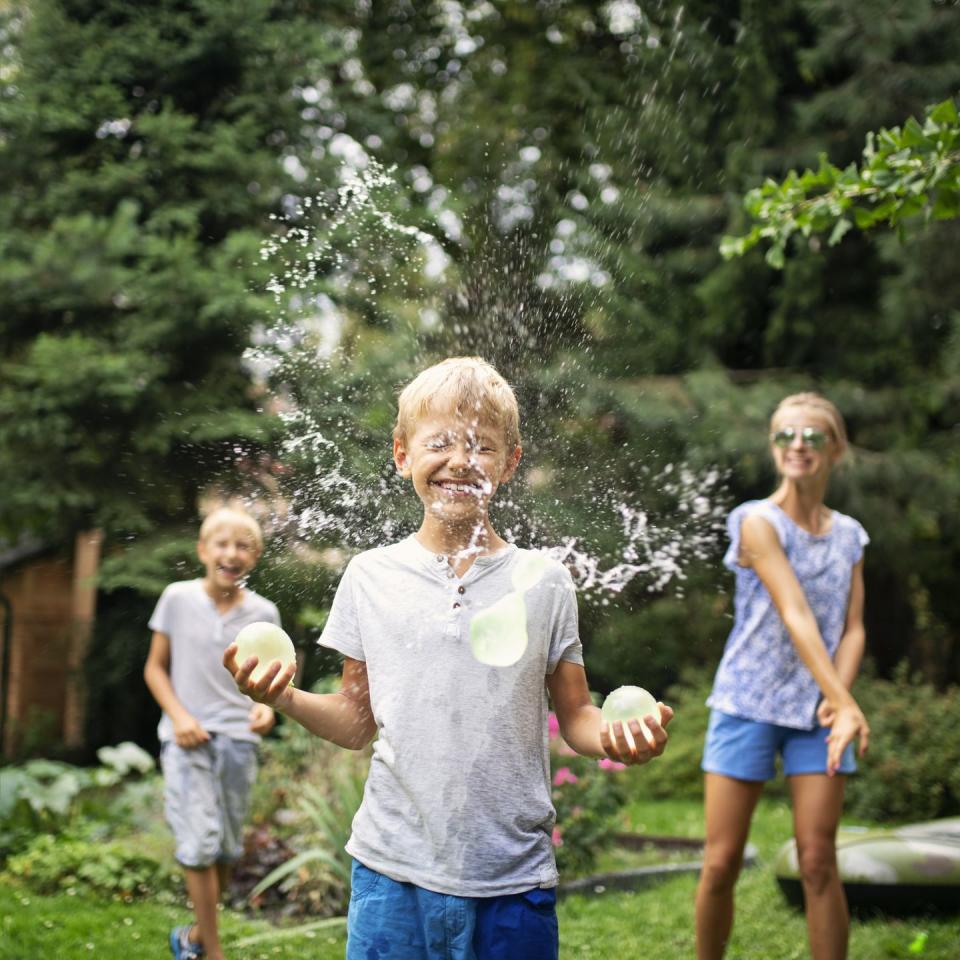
x,y
729,806
224,874
817,802
204,889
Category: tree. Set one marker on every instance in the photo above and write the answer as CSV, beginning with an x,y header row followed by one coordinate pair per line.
x,y
141,151
905,172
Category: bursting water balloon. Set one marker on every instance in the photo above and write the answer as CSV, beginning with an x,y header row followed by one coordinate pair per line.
x,y
498,634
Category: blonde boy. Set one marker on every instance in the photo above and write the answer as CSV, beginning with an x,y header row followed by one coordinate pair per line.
x,y
452,843
209,730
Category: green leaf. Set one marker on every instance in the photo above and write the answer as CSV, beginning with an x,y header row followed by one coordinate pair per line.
x,y
839,231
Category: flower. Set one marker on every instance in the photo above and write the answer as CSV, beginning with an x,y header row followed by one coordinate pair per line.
x,y
556,838
553,725
564,775
605,763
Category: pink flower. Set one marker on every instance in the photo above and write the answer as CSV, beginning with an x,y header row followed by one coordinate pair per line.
x,y
605,763
553,725
564,775
556,838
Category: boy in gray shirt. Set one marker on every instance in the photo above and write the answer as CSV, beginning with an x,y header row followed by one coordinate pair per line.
x,y
209,730
452,843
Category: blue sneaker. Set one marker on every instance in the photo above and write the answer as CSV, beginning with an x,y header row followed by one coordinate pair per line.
x,y
180,945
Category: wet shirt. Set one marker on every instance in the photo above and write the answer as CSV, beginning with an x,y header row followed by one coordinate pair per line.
x,y
199,634
458,796
761,676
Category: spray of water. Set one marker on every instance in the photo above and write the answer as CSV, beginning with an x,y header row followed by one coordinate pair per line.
x,y
342,491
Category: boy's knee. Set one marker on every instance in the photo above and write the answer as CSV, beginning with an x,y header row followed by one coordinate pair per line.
x,y
198,853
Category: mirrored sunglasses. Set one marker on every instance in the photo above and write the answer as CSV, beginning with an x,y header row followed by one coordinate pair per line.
x,y
809,437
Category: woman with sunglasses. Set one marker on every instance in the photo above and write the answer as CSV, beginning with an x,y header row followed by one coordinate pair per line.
x,y
783,684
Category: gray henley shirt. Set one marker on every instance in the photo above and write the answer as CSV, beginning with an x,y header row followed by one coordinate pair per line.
x,y
458,796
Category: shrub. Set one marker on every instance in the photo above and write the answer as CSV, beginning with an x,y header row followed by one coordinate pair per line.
x,y
58,864
912,769
309,790
587,795
48,796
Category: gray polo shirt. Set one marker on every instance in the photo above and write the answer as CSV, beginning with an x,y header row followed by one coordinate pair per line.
x,y
458,796
199,634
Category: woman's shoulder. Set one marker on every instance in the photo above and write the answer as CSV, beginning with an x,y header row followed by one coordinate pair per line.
x,y
851,528
752,508
759,508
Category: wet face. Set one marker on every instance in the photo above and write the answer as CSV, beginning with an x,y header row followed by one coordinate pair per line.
x,y
228,552
803,444
455,465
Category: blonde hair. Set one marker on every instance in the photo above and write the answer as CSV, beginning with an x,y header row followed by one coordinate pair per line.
x,y
467,385
821,405
231,517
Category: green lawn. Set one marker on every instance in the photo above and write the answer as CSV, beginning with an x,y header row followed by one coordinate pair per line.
x,y
655,923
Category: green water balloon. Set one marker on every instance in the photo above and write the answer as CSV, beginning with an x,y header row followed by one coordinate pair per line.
x,y
267,642
498,634
629,703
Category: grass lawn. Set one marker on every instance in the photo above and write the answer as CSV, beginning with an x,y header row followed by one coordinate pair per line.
x,y
655,923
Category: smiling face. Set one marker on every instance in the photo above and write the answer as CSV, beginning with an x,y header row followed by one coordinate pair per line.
x,y
228,552
455,465
803,443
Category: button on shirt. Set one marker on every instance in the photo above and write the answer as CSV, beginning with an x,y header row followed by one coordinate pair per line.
x,y
761,676
458,796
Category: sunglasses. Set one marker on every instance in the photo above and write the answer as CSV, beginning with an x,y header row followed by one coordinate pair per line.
x,y
809,437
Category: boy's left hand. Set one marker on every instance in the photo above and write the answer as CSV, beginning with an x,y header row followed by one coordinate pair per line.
x,y
262,719
617,747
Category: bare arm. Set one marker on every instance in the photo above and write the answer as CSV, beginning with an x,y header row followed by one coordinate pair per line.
x,y
849,653
187,731
854,640
344,718
761,550
584,729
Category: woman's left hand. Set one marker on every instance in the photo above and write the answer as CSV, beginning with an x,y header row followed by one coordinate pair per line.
x,y
848,723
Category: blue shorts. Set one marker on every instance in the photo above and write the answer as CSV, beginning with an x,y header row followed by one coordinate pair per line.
x,y
389,920
747,749
206,792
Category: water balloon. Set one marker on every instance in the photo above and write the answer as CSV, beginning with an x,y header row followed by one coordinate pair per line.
x,y
268,643
629,703
498,634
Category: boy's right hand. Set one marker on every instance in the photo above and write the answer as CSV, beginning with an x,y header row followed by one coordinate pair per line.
x,y
273,688
188,733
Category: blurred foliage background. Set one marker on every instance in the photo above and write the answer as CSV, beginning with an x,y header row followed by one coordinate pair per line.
x,y
543,183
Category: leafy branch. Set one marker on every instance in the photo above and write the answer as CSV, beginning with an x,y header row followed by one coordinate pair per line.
x,y
905,171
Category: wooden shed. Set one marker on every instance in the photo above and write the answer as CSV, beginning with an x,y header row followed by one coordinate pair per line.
x,y
47,606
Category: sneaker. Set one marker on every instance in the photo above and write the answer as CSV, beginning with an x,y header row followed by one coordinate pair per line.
x,y
181,946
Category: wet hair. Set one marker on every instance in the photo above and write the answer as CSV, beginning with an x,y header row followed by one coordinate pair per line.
x,y
231,517
826,409
468,386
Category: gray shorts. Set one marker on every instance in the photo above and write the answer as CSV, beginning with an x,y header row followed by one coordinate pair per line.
x,y
206,795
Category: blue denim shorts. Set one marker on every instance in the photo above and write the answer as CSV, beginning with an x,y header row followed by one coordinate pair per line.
x,y
389,920
747,749
206,793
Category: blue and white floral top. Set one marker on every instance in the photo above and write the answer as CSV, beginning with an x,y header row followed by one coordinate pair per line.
x,y
761,676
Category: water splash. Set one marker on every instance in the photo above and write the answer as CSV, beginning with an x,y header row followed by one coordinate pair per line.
x,y
340,249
